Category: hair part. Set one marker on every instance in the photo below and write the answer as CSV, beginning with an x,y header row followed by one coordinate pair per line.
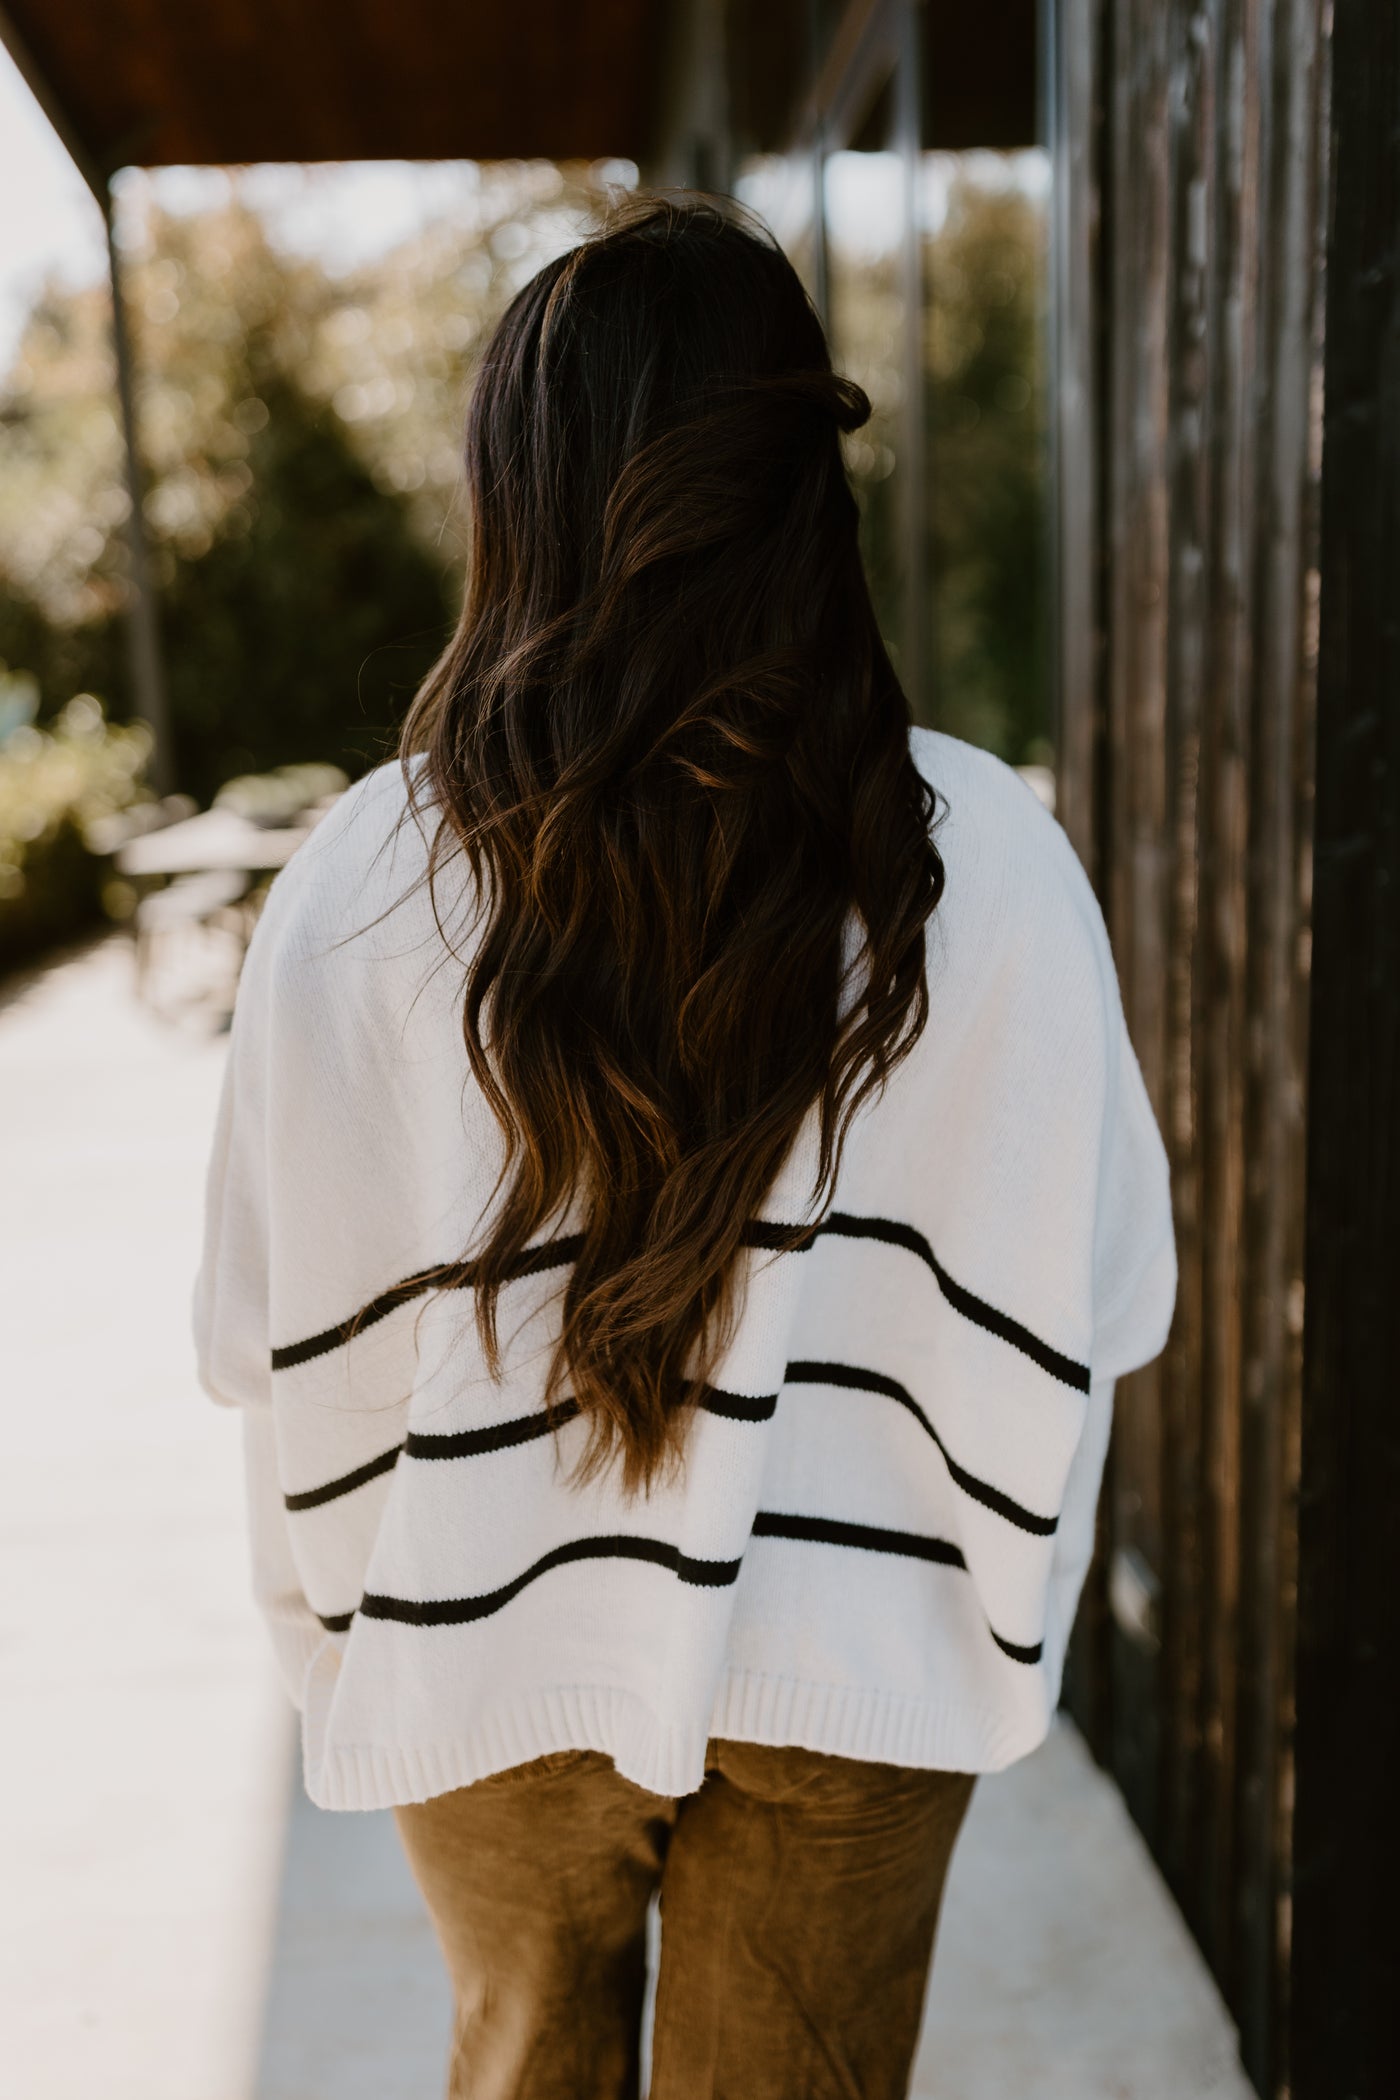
x,y
669,741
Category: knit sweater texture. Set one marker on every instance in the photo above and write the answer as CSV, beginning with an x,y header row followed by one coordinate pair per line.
x,y
878,1535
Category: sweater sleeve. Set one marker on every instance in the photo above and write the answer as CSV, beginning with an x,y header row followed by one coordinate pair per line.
x,y
295,1630
1134,1286
1130,1255
230,1307
1074,1541
1135,1270
230,1312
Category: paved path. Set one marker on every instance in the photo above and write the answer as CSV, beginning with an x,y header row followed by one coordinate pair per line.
x,y
179,1923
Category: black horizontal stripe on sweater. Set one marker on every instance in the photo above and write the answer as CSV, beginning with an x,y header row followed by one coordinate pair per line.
x,y
1064,1368
504,1436
524,1429
461,1611
451,1276
462,1276
332,1490
706,1574
874,1538
853,1379
735,1407
759,1232
870,1538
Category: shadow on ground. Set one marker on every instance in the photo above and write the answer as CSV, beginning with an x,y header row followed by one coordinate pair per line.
x,y
357,2004
1063,1971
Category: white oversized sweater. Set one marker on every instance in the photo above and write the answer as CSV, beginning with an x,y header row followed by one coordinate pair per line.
x,y
885,1512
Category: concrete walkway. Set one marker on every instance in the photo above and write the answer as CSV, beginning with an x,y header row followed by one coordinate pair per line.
x,y
179,1923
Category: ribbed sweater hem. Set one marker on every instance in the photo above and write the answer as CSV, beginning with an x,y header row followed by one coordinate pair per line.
x,y
877,1726
842,1721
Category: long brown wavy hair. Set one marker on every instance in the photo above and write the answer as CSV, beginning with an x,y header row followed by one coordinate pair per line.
x,y
675,753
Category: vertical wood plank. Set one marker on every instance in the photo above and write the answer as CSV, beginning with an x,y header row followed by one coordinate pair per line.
x,y
1188,778
1191,1417
1074,85
1073,75
1220,236
1136,870
1347,1921
1287,61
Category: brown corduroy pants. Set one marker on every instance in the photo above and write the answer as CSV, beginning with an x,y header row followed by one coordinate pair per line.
x,y
799,1900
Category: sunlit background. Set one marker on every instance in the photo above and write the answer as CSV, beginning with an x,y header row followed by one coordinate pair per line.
x,y
303,341
183,1925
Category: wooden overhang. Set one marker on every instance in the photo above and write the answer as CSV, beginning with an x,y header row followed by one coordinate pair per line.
x,y
155,82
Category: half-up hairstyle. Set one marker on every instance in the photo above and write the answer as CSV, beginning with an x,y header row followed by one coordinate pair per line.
x,y
675,754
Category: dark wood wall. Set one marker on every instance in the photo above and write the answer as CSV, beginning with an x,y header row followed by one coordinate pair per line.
x,y
1346,1965
1191,158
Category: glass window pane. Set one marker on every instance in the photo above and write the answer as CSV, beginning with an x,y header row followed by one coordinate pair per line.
x,y
781,188
983,222
863,204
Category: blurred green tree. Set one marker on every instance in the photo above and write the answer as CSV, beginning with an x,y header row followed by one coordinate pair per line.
x,y
56,785
301,438
300,433
303,628
984,379
977,584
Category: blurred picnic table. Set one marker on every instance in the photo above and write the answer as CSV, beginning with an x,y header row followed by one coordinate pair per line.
x,y
217,841
204,871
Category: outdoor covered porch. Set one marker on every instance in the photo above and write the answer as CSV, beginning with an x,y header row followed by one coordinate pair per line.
x,y
1205,662
181,1923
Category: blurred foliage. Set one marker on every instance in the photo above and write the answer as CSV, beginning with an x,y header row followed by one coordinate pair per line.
x,y
299,431
307,623
987,641
864,198
55,784
982,593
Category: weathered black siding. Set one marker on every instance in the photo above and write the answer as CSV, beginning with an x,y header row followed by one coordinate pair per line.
x,y
1191,157
1346,1954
